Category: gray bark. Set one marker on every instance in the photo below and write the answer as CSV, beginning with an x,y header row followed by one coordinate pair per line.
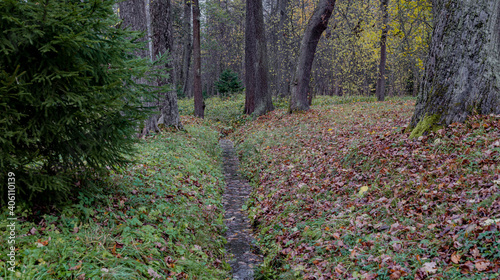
x,y
134,16
280,49
199,110
299,86
462,75
186,56
380,92
258,97
161,27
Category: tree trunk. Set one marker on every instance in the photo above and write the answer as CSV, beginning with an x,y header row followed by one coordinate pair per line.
x,y
186,57
299,86
380,92
462,71
250,57
161,19
197,91
134,16
258,97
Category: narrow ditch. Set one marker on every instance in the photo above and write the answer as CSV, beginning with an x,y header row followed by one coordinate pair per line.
x,y
239,230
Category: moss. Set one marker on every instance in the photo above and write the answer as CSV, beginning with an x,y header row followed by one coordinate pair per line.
x,y
428,123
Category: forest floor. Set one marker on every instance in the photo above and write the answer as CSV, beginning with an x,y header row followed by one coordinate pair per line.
x,y
158,218
339,192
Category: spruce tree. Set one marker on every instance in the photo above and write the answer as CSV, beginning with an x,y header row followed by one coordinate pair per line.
x,y
69,103
228,83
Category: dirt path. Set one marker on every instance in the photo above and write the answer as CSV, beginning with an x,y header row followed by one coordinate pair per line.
x,y
239,230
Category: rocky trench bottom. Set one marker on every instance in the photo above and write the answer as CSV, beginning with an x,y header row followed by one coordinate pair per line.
x,y
239,231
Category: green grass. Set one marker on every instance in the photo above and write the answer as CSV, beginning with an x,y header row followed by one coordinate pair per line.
x,y
158,218
224,114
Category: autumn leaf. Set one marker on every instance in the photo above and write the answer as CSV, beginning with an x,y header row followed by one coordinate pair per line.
x,y
396,275
76,267
455,258
362,190
429,267
475,252
482,265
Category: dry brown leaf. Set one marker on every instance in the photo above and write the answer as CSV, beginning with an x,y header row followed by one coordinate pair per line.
x,y
429,267
395,275
482,265
76,267
475,252
455,258
340,268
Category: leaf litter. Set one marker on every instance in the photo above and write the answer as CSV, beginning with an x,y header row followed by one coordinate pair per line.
x,y
341,192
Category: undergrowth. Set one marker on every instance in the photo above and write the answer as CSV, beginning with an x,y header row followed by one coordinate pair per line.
x,y
160,218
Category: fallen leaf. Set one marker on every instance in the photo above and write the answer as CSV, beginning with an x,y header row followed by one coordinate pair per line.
x,y
429,267
475,252
153,273
395,275
455,258
76,267
362,190
482,265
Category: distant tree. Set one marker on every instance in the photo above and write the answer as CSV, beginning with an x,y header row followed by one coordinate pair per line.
x,y
462,72
258,97
70,103
281,45
222,40
300,83
135,17
187,49
380,91
199,110
228,83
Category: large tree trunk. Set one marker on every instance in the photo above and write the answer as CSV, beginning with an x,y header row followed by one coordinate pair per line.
x,y
161,19
299,86
186,56
134,16
258,97
380,92
197,91
462,74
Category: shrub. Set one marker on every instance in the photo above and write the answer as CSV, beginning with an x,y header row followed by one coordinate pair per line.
x,y
69,102
228,83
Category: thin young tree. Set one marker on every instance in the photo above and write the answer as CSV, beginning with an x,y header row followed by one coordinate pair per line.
x,y
197,90
299,86
187,48
462,72
380,91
